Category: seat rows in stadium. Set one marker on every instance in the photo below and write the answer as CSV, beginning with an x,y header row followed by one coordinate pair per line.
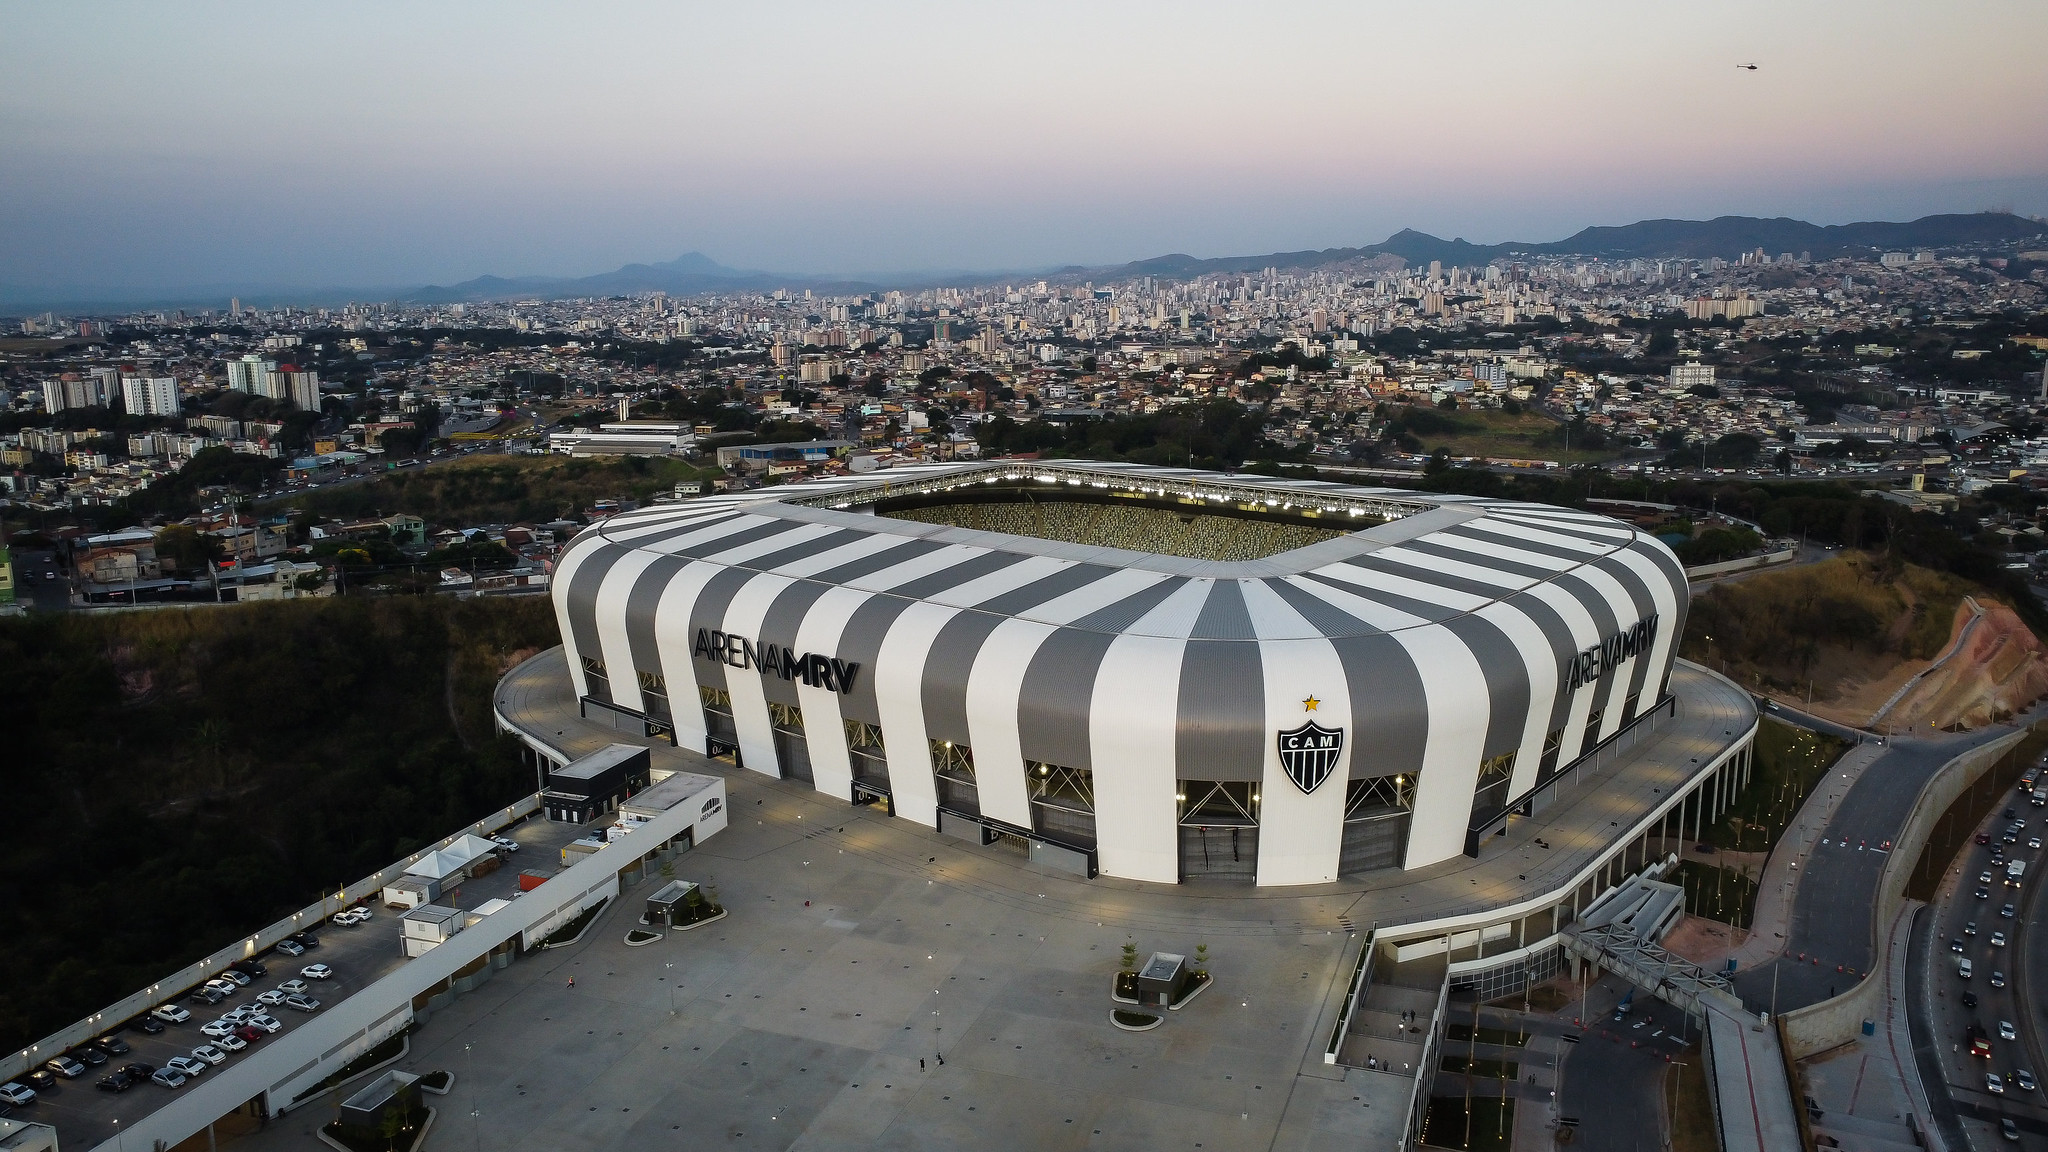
x,y
1165,532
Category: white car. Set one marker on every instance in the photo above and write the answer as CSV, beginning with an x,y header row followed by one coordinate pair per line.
x,y
1993,1084
291,948
294,987
171,1014
168,1077
349,918
506,843
187,1065
218,1027
231,1042
273,997
1998,939
240,978
210,1054
17,1094
240,1015
2006,1031
266,1022
317,972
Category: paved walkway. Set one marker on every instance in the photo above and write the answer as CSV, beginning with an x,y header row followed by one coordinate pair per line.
x,y
1779,884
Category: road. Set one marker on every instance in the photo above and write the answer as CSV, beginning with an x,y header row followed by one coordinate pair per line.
x,y
1968,925
1829,938
1611,1078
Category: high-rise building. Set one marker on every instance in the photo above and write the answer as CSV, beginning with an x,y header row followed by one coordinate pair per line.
x,y
254,375
302,388
150,395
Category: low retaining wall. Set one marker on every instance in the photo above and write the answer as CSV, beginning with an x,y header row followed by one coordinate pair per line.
x,y
1832,1023
1726,566
192,975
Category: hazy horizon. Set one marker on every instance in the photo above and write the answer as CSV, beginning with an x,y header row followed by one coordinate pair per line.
x,y
159,150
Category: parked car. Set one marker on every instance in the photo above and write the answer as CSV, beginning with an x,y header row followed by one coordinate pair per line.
x,y
506,843
168,1077
171,1014
302,1003
252,967
187,1065
114,1082
294,986
241,1014
208,995
17,1094
112,1045
232,1042
218,1027
291,948
304,939
210,1054
347,918
89,1056
224,986
268,1023
147,1024
65,1066
138,1070
41,1079
249,1033
317,972
240,978
273,997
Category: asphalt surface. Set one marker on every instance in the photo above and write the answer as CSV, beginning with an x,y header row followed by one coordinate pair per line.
x,y
1829,939
1612,1077
33,591
1960,917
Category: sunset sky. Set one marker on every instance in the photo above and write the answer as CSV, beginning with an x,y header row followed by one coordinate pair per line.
x,y
158,147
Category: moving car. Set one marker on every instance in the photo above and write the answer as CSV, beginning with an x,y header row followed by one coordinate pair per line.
x,y
2005,910
1992,1083
1983,893
1956,945
1997,978
1998,939
2006,1031
1970,929
1969,999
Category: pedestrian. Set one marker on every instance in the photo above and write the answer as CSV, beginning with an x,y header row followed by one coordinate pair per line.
x,y
942,1059
920,1063
572,981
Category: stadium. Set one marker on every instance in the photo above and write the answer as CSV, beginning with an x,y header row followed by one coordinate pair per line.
x,y
1150,673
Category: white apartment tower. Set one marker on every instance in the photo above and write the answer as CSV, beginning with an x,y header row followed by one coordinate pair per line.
x,y
1691,373
254,375
150,395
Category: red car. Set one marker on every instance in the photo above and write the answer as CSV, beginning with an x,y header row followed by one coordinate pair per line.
x,y
1983,837
251,1033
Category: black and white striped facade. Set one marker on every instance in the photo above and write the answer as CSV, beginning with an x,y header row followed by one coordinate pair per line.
x,y
1144,709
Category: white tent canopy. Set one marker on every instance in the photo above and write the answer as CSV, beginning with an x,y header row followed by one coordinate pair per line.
x,y
452,859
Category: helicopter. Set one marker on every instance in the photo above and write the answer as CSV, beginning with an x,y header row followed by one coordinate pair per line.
x,y
1751,67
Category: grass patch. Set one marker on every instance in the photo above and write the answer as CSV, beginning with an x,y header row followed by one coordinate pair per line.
x,y
1486,1035
1491,432
1723,894
1480,1124
436,1081
1481,1066
391,1046
1996,789
1789,763
1692,1127
1839,621
574,928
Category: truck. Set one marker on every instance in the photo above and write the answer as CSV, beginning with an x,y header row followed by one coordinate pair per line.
x,y
2014,869
2040,797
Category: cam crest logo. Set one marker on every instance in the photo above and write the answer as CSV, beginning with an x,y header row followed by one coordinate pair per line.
x,y
1309,753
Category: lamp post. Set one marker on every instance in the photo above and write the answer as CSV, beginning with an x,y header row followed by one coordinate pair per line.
x,y
669,967
475,1113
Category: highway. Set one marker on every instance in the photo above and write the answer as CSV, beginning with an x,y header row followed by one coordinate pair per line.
x,y
1960,917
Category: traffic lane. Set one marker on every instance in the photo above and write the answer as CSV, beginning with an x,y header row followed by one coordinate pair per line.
x,y
1959,910
1610,1080
1793,715
2030,966
1828,941
37,582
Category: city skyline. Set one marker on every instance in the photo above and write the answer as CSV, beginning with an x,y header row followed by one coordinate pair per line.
x,y
295,151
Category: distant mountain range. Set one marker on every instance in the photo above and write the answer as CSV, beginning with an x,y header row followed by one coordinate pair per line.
x,y
693,272
1724,236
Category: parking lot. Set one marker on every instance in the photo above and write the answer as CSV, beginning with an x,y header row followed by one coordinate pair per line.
x,y
85,1115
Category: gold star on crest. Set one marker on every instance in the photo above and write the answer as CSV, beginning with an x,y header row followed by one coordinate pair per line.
x,y
1309,705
